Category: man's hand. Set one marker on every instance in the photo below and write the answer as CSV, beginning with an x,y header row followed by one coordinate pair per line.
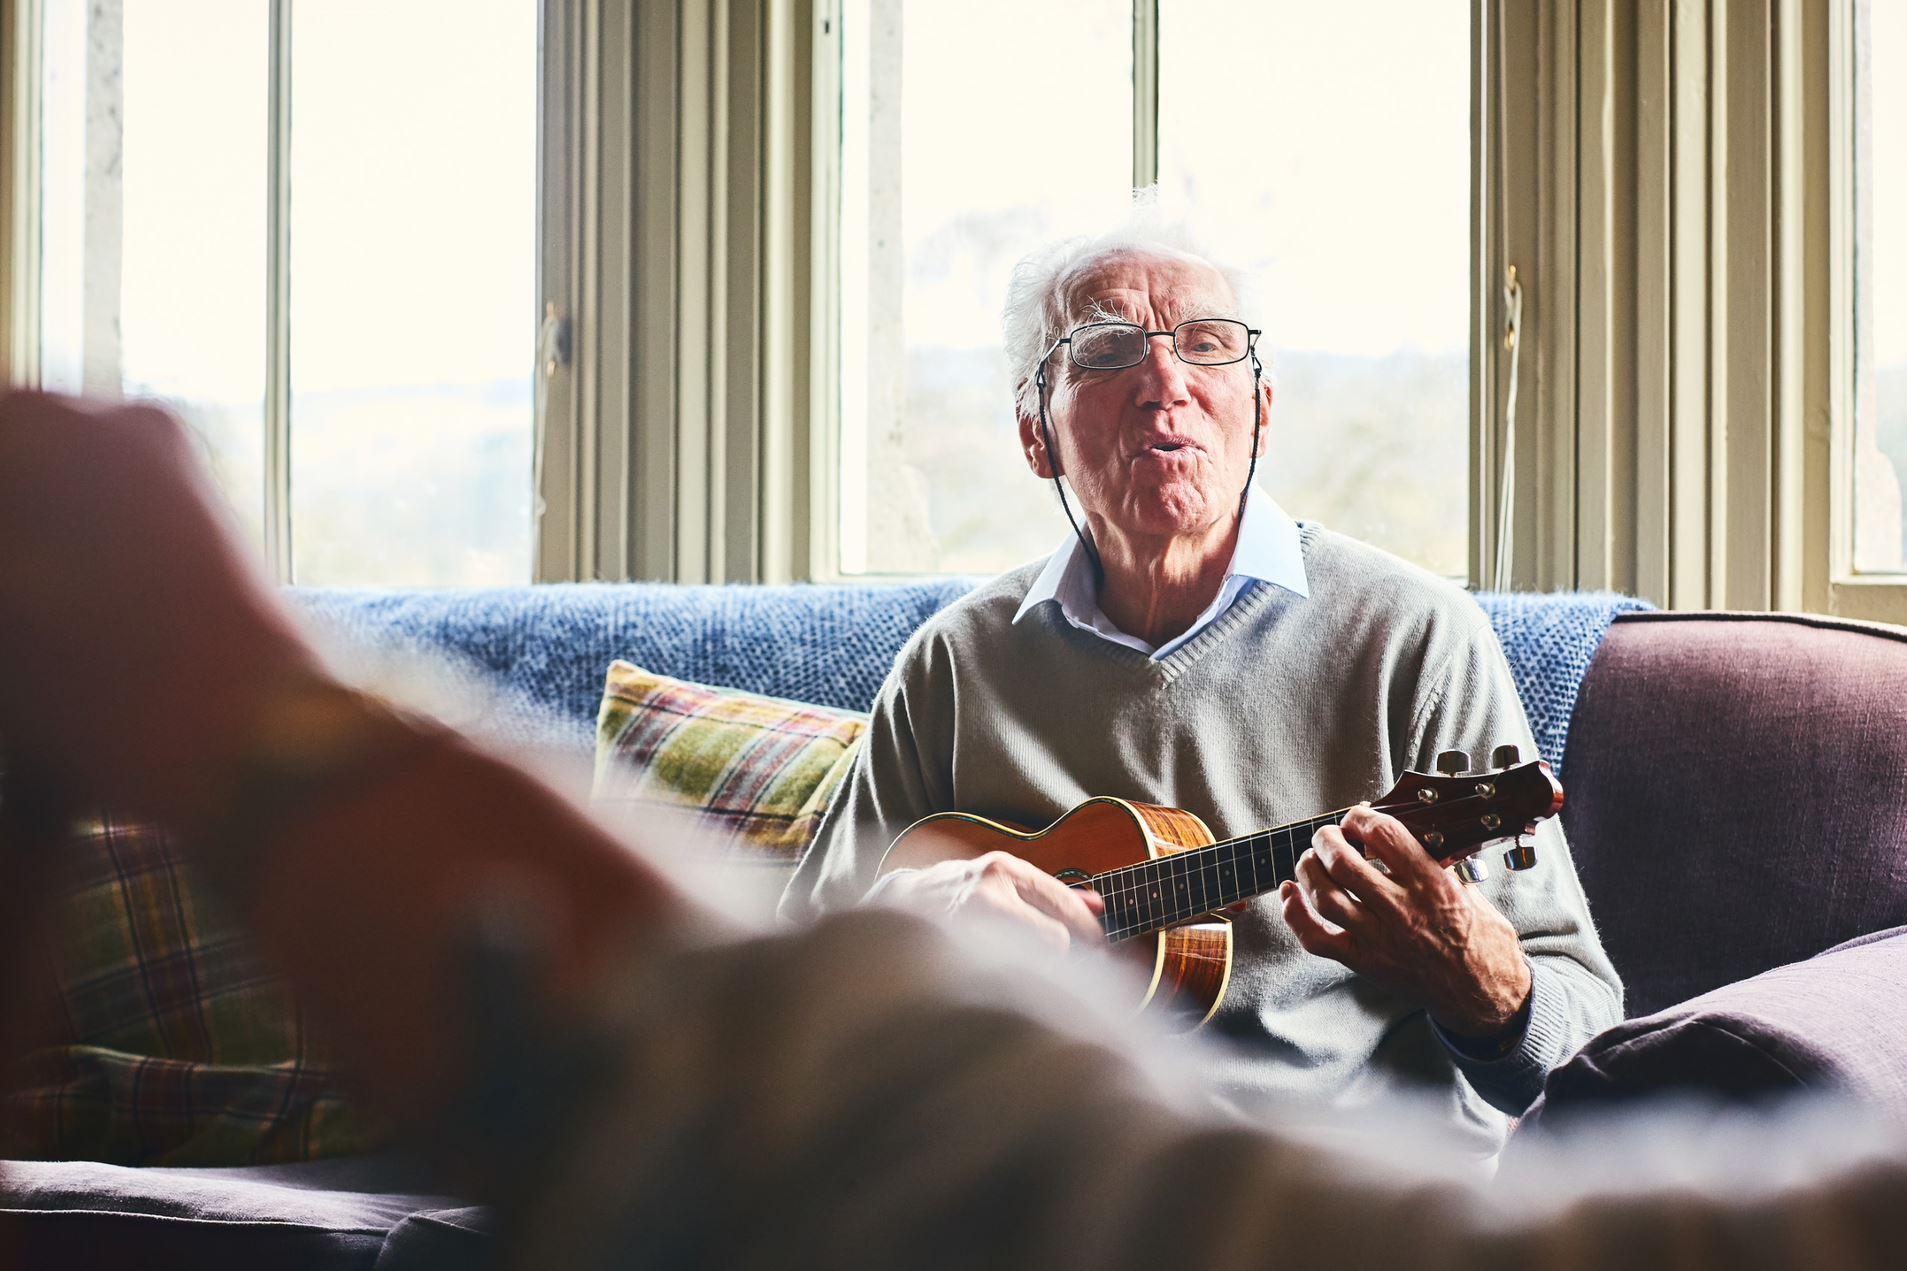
x,y
999,887
1416,928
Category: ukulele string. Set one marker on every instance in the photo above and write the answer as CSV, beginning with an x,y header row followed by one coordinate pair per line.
x,y
1401,811
1138,923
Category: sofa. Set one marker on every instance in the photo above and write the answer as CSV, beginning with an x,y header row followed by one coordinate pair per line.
x,y
1736,798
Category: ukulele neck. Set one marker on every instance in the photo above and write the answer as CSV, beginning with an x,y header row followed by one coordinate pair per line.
x,y
1159,893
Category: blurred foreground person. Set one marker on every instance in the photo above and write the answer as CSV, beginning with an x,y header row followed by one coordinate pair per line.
x,y
633,1081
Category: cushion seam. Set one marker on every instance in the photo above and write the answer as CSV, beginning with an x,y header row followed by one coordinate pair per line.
x,y
1884,630
135,1216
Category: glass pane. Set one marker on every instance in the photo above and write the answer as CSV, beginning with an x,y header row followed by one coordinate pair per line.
x,y
413,307
1880,340
153,207
947,180
1340,135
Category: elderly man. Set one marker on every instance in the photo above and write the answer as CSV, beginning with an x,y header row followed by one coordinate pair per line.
x,y
1193,646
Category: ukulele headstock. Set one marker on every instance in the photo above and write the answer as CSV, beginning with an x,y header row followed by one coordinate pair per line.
x,y
1456,812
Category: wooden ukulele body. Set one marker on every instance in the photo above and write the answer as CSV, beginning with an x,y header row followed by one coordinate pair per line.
x,y
1186,966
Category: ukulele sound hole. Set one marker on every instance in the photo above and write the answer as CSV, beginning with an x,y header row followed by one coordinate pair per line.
x,y
1073,877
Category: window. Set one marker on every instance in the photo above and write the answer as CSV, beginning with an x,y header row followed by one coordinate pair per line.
x,y
1357,205
945,184
1880,288
154,218
1362,209
329,271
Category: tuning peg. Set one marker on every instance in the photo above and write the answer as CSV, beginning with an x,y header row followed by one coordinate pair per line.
x,y
1505,756
1520,857
1471,870
1452,763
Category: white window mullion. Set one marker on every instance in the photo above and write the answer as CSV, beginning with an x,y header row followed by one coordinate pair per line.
x,y
103,236
277,517
1145,93
1837,241
816,551
20,79
556,515
1486,232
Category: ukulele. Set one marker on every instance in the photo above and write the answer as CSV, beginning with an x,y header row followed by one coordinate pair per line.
x,y
1164,879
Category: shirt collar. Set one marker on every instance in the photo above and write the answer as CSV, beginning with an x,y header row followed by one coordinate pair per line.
x,y
1268,549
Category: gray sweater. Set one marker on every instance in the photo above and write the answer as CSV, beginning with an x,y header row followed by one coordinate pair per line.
x,y
1284,708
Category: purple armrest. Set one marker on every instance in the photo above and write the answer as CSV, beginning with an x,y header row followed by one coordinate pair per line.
x,y
1737,794
1834,1023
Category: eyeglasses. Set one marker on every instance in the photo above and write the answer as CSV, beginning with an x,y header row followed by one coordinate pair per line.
x,y
1113,346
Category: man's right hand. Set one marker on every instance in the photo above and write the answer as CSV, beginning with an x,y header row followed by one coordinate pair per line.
x,y
998,887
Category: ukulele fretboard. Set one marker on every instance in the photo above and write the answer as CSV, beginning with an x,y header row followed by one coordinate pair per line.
x,y
1155,894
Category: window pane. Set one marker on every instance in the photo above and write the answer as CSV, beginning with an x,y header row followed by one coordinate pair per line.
x,y
413,307
963,148
1341,135
1880,341
154,217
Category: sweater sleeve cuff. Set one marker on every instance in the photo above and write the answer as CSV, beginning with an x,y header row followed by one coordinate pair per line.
x,y
1496,1045
1510,1074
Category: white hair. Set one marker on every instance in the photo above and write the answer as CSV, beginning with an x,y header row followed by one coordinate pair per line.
x,y
1035,313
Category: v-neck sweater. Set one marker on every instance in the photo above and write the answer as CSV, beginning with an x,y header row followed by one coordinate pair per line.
x,y
1284,708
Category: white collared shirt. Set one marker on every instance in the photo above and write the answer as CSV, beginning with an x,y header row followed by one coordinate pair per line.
x,y
1267,550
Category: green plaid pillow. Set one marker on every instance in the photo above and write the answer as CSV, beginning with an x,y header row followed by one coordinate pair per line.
x,y
170,1043
757,771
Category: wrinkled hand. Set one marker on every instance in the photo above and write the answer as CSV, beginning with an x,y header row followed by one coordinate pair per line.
x,y
135,629
998,887
1415,929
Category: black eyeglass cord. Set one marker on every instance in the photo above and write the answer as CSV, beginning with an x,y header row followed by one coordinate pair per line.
x,y
1257,426
1052,457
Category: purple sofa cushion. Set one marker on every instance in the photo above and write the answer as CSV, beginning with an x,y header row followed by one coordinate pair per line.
x,y
1737,794
1836,1022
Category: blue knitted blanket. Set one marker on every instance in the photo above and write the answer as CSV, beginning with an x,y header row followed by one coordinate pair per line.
x,y
546,648
543,650
1550,639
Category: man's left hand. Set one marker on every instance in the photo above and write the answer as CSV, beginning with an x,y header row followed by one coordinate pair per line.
x,y
1414,928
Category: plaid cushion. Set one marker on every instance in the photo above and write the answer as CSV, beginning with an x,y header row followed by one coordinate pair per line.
x,y
170,1043
757,771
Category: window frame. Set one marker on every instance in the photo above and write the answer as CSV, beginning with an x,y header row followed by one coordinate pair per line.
x,y
20,43
22,23
1829,130
1671,447
819,535
677,207
1686,363
277,505
1685,238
